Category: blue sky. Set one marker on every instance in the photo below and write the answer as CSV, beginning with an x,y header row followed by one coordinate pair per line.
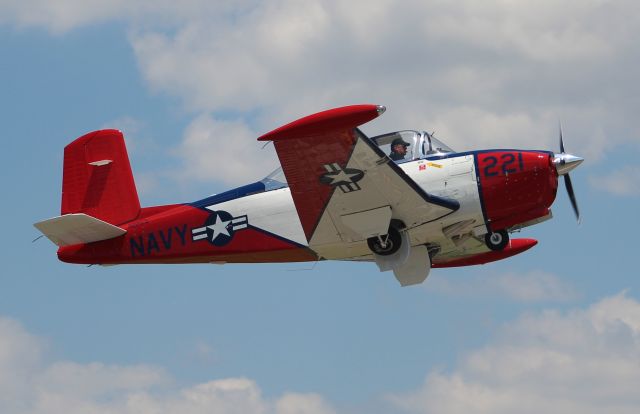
x,y
193,85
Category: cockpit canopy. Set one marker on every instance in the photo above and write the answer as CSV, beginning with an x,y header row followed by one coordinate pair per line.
x,y
421,145
275,180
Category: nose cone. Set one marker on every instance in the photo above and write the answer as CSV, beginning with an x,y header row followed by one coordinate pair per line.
x,y
566,162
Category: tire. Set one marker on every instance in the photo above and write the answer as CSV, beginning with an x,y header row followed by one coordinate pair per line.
x,y
497,241
393,242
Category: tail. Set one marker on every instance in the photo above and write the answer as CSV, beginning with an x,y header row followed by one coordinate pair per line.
x,y
97,179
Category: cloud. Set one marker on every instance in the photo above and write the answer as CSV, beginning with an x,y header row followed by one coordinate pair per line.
x,y
19,359
622,182
31,385
224,151
61,16
490,74
303,404
504,81
581,361
484,75
534,286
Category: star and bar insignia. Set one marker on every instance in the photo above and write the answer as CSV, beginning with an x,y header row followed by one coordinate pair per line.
x,y
345,179
219,228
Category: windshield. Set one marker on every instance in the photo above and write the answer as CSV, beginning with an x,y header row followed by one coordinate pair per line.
x,y
274,180
433,146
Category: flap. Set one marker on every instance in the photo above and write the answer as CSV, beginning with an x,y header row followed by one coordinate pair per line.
x,y
369,223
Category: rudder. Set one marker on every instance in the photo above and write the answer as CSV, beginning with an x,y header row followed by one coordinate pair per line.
x,y
97,178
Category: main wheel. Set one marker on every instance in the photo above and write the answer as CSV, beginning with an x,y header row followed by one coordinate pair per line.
x,y
387,244
497,241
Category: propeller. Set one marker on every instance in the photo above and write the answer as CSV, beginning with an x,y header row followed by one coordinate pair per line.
x,y
564,163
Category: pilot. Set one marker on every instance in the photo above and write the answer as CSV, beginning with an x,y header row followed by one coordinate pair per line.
x,y
398,149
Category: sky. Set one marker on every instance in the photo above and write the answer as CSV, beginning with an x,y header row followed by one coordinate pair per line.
x,y
192,84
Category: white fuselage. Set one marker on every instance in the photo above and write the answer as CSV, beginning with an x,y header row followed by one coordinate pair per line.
x,y
453,178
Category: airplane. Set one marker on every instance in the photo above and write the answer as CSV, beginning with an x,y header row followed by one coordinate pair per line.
x,y
338,195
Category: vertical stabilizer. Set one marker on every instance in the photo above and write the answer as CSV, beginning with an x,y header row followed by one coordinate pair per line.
x,y
97,178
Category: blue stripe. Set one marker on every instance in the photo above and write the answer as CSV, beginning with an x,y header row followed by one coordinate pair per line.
x,y
234,194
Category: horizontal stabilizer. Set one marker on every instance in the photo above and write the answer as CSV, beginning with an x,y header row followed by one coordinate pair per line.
x,y
77,228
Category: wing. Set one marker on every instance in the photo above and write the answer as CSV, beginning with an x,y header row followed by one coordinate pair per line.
x,y
344,187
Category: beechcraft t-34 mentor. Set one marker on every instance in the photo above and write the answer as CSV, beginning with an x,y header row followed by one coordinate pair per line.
x,y
337,196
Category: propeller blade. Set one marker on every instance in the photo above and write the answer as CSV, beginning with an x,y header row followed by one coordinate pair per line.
x,y
572,196
564,163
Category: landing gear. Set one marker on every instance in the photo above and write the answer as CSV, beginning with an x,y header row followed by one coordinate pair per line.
x,y
385,245
497,241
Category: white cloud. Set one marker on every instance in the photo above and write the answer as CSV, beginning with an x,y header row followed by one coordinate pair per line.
x,y
622,182
30,385
19,359
225,151
544,31
61,16
303,404
233,395
534,286
495,74
482,74
581,361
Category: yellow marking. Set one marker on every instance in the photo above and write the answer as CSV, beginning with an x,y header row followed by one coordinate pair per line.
x,y
433,164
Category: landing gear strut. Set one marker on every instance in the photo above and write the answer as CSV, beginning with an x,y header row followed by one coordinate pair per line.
x,y
497,240
385,245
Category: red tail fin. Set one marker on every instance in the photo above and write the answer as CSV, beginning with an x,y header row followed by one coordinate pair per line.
x,y
97,178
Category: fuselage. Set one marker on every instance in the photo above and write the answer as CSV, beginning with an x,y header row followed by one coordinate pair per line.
x,y
496,190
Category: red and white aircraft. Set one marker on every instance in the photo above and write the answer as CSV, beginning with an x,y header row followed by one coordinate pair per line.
x,y
338,196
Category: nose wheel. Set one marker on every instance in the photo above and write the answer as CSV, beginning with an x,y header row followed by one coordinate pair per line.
x,y
497,240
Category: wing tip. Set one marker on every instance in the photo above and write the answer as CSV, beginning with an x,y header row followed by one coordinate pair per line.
x,y
350,116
